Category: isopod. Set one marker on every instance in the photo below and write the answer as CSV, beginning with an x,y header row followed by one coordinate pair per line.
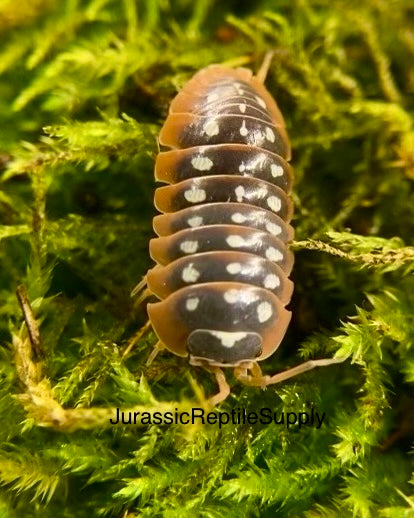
x,y
222,254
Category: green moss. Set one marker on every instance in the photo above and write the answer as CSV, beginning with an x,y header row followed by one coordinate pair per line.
x,y
84,88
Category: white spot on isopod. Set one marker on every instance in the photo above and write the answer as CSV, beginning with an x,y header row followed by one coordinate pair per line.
x,y
273,228
274,203
264,311
243,130
270,135
191,304
273,254
238,218
195,221
201,163
239,192
212,97
190,274
235,241
271,281
228,339
234,268
260,101
253,164
232,296
195,195
276,170
242,107
261,192
189,247
211,128
239,90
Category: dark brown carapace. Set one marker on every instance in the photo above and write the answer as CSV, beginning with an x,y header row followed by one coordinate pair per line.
x,y
222,256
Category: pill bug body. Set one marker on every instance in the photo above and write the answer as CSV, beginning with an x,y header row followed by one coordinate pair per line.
x,y
222,256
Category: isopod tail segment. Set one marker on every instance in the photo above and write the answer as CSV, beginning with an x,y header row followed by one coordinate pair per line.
x,y
222,255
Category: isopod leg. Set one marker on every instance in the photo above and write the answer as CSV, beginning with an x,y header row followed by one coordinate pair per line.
x,y
158,347
142,289
224,388
139,287
258,380
255,379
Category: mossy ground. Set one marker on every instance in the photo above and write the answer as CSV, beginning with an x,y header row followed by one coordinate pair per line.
x,y
84,89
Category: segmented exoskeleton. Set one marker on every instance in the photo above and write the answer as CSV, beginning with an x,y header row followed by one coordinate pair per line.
x,y
222,253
